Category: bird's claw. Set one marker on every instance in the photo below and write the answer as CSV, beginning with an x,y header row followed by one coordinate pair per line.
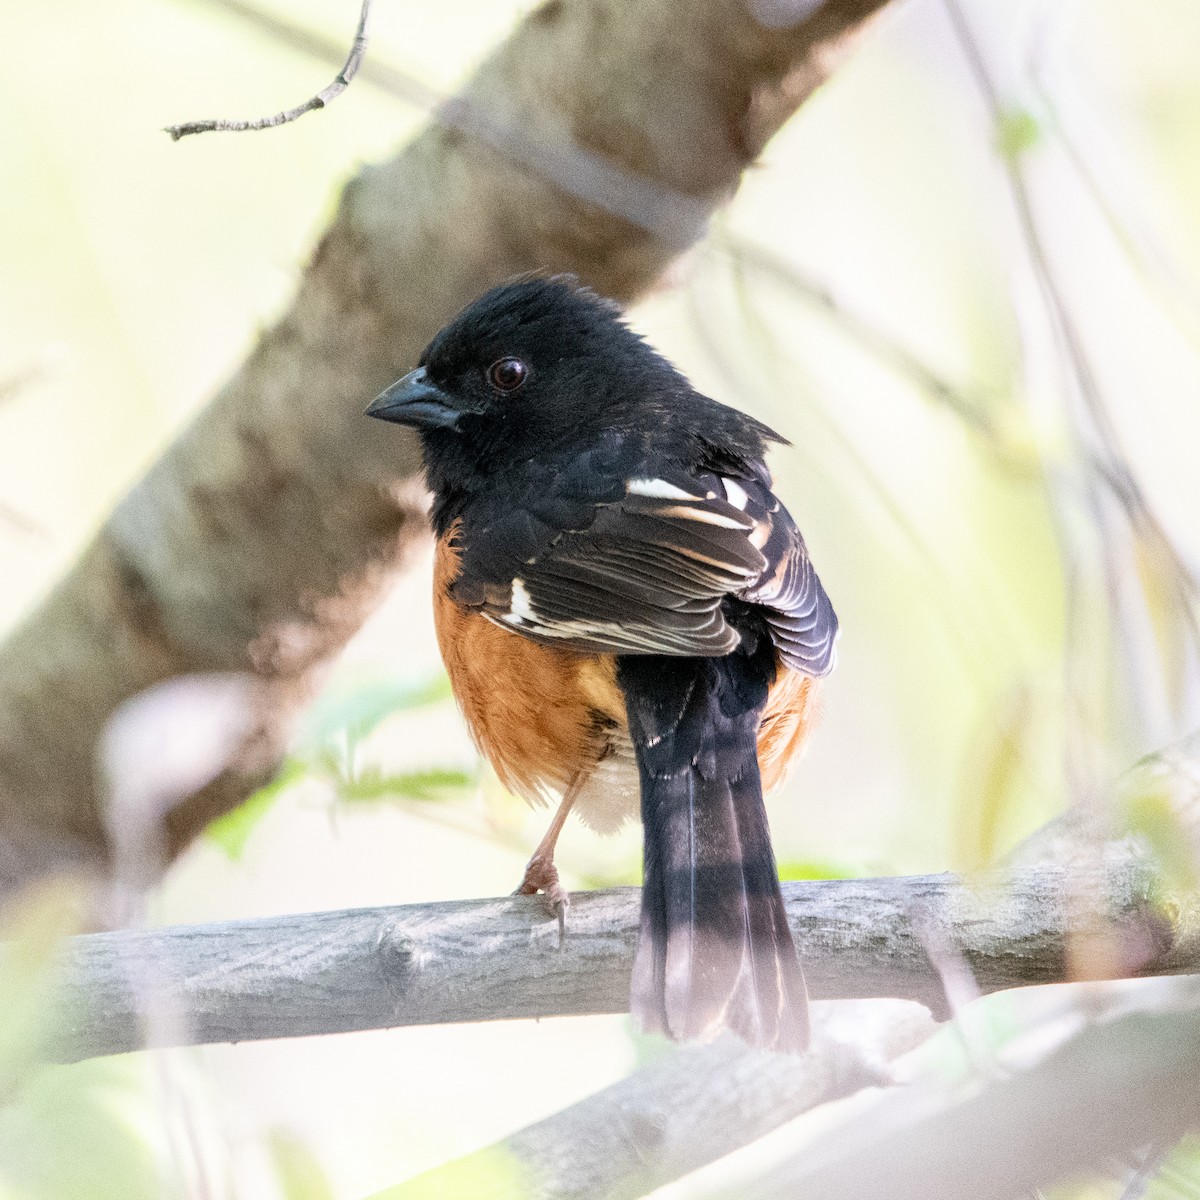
x,y
541,875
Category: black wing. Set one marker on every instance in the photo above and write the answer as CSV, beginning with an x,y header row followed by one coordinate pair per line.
x,y
646,572
803,624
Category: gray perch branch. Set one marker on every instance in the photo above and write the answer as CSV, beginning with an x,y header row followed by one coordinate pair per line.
x,y
481,960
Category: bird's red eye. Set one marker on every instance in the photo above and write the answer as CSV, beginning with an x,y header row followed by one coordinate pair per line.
x,y
507,374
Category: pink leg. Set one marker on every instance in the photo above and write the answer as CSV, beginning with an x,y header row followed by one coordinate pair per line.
x,y
541,875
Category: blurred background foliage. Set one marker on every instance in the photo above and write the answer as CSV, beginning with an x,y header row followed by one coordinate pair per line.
x,y
870,293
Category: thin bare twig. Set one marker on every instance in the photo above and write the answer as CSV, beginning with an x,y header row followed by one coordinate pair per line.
x,y
1143,1175
15,384
189,722
407,87
1177,295
594,178
969,635
394,80
1100,444
10,388
973,409
20,521
326,95
597,179
960,987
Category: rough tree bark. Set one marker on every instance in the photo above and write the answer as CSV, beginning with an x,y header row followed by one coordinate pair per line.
x,y
596,140
486,960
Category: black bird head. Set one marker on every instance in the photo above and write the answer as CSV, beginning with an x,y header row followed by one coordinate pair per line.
x,y
528,367
539,368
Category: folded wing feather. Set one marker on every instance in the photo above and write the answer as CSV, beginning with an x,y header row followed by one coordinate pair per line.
x,y
650,572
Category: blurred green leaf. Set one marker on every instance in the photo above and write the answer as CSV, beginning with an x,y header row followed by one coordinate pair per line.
x,y
85,1132
354,712
1017,131
491,1174
429,785
1165,588
616,875
300,1175
1151,813
647,1047
232,831
799,869
337,721
993,786
31,938
1178,1178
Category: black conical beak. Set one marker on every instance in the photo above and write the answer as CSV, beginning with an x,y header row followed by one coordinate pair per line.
x,y
413,400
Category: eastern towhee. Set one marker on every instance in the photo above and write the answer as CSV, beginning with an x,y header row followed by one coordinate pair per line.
x,y
625,607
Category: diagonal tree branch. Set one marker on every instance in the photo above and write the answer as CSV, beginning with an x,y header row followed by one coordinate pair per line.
x,y
480,960
1099,1071
681,1112
596,140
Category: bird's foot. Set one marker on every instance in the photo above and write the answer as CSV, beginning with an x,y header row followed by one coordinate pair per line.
x,y
541,875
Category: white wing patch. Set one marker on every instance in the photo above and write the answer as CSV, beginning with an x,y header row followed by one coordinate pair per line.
x,y
735,493
520,607
611,636
649,576
707,516
760,534
657,489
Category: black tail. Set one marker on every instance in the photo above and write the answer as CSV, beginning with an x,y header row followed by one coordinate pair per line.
x,y
714,950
